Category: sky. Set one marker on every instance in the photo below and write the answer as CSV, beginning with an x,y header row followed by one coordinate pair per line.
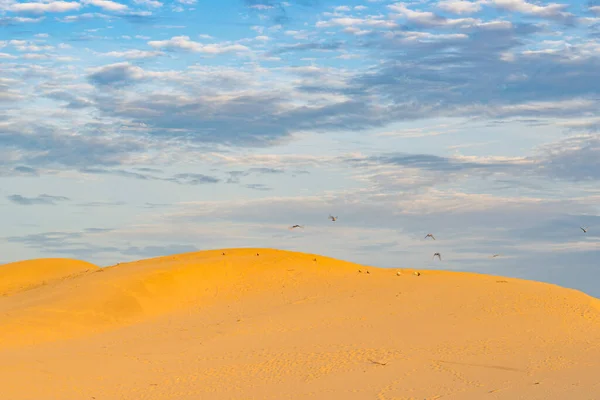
x,y
143,128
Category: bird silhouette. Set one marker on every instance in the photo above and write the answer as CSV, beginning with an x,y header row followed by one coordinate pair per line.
x,y
332,218
584,229
496,255
296,226
438,255
429,235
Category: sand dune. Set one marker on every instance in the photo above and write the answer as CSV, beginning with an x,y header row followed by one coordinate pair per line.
x,y
23,275
286,325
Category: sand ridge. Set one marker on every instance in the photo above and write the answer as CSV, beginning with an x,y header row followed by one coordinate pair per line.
x,y
24,275
288,325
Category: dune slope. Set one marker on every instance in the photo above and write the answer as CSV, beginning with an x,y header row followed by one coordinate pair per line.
x,y
23,275
270,324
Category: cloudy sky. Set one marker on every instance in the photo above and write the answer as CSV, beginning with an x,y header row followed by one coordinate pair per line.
x,y
141,128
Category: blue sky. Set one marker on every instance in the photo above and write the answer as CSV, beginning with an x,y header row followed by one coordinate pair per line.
x,y
144,128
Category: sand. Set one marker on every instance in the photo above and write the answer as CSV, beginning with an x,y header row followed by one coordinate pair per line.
x,y
286,325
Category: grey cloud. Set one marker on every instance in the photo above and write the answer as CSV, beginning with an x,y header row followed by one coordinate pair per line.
x,y
98,230
115,75
65,150
432,162
150,174
235,176
473,71
409,84
72,101
193,179
46,239
258,186
277,8
41,199
118,172
25,171
576,159
71,244
102,204
266,170
307,47
572,159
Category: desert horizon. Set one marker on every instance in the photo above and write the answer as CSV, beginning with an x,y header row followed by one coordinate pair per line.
x,y
272,324
299,199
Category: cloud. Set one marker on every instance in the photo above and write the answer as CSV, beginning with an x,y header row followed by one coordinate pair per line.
x,y
258,186
574,159
437,163
7,21
41,199
377,22
73,101
459,6
134,54
82,17
184,43
427,18
550,11
307,47
149,3
39,145
193,179
46,7
106,5
116,75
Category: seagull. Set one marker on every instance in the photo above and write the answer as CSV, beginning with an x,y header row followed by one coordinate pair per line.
x,y
583,229
429,235
437,254
297,226
495,255
332,218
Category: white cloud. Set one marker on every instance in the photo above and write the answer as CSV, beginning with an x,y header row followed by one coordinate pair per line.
x,y
553,10
23,45
40,8
350,21
428,18
459,6
184,43
106,5
149,3
342,8
261,6
132,54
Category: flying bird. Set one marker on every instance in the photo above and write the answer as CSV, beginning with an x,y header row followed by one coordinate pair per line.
x,y
438,255
429,235
297,226
332,218
495,255
584,229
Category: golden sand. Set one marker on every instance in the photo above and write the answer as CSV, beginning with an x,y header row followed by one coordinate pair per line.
x,y
287,325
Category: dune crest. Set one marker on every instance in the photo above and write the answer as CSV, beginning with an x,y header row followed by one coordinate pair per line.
x,y
23,275
128,292
272,324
